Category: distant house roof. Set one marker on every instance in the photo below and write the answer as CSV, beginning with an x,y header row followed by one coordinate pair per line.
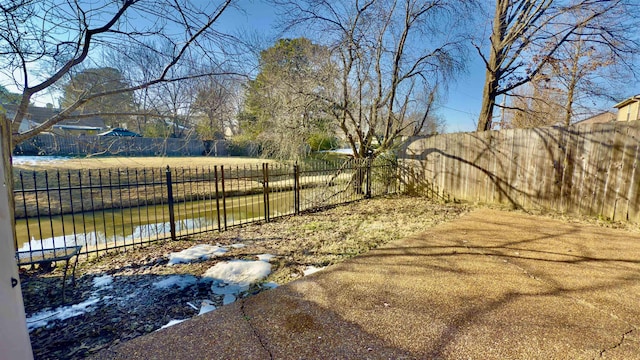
x,y
627,101
603,117
37,115
120,132
177,126
76,127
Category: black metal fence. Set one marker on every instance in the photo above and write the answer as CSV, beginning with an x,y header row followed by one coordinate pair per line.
x,y
119,208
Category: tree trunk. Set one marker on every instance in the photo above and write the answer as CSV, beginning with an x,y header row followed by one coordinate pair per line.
x,y
573,82
569,106
493,64
488,102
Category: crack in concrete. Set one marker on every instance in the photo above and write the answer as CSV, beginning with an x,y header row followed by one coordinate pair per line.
x,y
255,331
622,338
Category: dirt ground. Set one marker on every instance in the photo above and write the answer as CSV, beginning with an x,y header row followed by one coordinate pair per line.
x,y
131,308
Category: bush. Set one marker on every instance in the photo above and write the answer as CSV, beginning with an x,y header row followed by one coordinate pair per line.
x,y
243,147
320,142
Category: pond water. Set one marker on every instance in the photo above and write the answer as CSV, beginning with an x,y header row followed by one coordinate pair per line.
x,y
121,227
35,160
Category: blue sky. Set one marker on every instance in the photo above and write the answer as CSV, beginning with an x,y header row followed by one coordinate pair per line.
x,y
461,104
460,107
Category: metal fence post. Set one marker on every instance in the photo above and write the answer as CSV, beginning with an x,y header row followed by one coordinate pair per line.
x,y
265,190
224,199
296,189
215,172
172,216
368,165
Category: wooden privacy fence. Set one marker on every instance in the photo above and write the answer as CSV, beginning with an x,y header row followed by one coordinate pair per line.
x,y
583,169
65,145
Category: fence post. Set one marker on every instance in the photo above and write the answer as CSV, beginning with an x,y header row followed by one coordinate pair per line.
x,y
265,190
368,164
172,216
14,343
296,189
215,171
224,199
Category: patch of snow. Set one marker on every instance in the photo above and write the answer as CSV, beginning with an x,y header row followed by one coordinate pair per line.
x,y
311,270
233,277
220,288
265,257
228,299
197,252
206,306
103,281
171,323
238,246
42,318
240,272
181,281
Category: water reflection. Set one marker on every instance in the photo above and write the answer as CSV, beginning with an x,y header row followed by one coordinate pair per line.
x,y
140,232
114,228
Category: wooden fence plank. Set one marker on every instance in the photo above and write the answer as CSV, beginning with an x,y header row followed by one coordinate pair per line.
x,y
494,146
605,205
620,205
467,167
513,158
539,174
456,166
486,140
527,172
584,163
633,193
569,165
594,170
558,153
477,181
611,183
578,171
506,163
480,160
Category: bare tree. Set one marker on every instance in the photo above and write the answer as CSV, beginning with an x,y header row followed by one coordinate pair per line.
x,y
584,69
42,42
391,58
527,34
217,101
534,104
284,106
139,63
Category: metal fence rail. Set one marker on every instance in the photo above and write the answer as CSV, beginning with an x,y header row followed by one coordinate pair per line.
x,y
112,209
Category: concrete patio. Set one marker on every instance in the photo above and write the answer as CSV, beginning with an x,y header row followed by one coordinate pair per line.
x,y
491,285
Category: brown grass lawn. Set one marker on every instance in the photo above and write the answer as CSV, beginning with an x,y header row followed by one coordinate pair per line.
x,y
139,162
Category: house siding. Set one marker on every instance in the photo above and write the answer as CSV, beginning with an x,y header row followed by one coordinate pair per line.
x,y
629,110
